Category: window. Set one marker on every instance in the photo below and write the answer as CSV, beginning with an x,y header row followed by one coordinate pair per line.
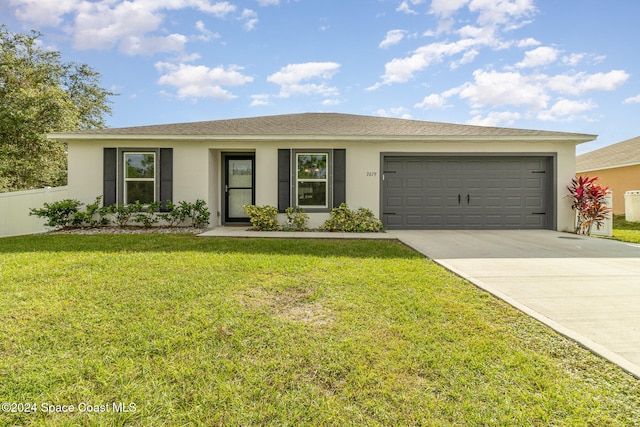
x,y
131,174
140,177
312,184
313,179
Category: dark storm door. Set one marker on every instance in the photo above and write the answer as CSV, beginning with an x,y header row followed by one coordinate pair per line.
x,y
239,186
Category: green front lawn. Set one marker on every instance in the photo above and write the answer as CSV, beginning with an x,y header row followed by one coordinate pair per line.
x,y
180,331
625,230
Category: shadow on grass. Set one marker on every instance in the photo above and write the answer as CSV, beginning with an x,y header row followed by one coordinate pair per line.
x,y
188,243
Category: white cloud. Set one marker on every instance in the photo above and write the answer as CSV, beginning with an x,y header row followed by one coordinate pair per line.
x,y
44,12
393,37
505,88
504,12
633,100
400,112
291,78
250,19
496,119
433,102
579,83
467,58
151,45
445,8
573,59
199,81
268,2
261,100
402,70
566,109
205,34
406,8
528,42
542,55
126,25
331,102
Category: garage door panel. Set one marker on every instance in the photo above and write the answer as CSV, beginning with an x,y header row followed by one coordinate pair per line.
x,y
513,201
467,192
414,202
394,183
394,201
534,183
533,202
415,183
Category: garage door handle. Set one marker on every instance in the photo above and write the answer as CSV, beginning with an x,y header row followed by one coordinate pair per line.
x,y
468,199
458,198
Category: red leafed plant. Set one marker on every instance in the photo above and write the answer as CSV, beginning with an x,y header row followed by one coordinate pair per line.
x,y
588,200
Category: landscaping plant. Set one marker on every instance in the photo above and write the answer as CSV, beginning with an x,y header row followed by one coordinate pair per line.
x,y
297,218
263,218
360,221
59,214
588,201
69,213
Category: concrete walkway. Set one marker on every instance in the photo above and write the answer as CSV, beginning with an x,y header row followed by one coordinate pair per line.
x,y
587,289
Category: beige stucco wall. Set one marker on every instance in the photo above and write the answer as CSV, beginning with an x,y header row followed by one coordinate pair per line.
x,y
619,180
197,168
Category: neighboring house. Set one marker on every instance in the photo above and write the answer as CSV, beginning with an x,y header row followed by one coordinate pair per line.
x,y
617,166
411,174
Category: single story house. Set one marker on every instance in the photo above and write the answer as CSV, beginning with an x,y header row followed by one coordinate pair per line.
x,y
617,166
411,174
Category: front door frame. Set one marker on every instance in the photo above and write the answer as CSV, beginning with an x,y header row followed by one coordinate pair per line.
x,y
226,157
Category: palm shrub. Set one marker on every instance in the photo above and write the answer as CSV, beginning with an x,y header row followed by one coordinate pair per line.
x,y
588,201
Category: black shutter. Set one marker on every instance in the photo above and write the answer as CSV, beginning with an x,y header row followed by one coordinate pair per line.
x,y
284,179
166,177
339,177
109,174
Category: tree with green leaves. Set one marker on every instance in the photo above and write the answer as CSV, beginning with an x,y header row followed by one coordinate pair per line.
x,y
39,93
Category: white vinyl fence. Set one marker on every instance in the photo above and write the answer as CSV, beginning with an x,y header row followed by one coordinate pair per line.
x,y
14,210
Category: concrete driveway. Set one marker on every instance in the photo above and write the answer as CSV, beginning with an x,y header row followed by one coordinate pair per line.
x,y
588,289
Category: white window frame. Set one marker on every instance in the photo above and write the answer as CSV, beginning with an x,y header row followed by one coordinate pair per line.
x,y
326,179
126,179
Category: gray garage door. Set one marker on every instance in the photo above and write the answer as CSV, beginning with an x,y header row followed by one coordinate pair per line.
x,y
467,192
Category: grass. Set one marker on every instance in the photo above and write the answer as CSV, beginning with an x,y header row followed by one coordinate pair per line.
x,y
625,230
195,331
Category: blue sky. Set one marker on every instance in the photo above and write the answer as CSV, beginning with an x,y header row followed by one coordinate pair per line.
x,y
566,65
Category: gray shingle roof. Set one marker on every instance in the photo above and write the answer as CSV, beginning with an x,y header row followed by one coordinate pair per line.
x,y
320,125
625,153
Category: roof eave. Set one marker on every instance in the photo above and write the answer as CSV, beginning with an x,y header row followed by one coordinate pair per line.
x,y
574,138
624,165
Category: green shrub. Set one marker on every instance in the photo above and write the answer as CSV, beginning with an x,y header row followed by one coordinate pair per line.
x,y
360,221
174,215
146,214
263,218
296,218
69,213
124,213
95,209
199,213
59,214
